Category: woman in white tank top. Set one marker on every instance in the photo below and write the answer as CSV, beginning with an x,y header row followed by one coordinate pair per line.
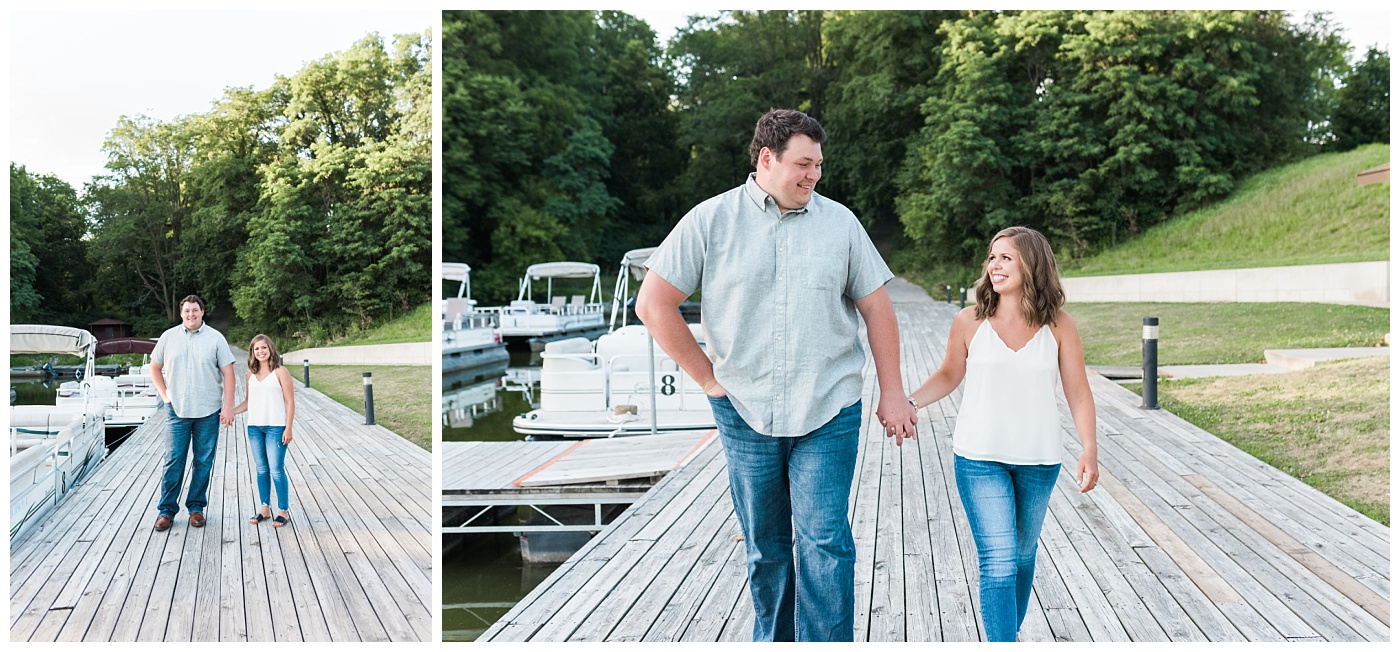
x,y
270,406
1012,347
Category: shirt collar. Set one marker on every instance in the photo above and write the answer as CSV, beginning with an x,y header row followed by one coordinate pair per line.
x,y
187,331
762,198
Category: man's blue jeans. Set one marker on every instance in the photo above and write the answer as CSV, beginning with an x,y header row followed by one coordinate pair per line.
x,y
784,484
268,454
200,434
1005,505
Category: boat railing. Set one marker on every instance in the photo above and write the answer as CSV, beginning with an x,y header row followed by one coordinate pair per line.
x,y
41,475
475,320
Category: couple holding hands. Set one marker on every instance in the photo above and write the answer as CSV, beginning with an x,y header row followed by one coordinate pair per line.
x,y
192,370
786,276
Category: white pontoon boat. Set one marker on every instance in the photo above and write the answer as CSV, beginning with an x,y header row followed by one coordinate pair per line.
x,y
559,315
51,447
607,388
131,398
469,337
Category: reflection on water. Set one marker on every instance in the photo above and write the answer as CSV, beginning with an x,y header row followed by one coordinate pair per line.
x,y
482,579
483,575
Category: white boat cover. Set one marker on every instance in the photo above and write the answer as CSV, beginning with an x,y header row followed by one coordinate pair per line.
x,y
42,338
636,261
562,270
455,271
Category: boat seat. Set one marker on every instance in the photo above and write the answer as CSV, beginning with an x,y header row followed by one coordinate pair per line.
x,y
454,307
42,419
569,345
576,304
522,306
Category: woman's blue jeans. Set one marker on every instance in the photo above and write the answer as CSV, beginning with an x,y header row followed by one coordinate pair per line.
x,y
268,455
782,485
1005,505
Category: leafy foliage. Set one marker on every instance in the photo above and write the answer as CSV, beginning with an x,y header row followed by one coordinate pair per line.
x,y
1363,105
303,206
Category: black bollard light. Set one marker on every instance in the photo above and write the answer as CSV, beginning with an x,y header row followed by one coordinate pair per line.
x,y
306,372
369,399
1149,363
950,292
962,303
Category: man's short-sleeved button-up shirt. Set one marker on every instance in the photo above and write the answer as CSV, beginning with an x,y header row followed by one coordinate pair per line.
x,y
778,293
193,365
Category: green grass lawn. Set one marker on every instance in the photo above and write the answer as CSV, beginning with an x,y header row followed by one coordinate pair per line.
x,y
403,396
1328,426
1221,333
1310,212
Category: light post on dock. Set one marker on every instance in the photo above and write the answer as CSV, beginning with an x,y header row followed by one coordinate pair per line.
x,y
369,399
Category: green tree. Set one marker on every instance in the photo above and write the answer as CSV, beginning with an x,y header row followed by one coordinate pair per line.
x,y
46,250
1362,114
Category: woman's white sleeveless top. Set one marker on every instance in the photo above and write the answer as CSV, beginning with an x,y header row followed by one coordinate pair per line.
x,y
1008,409
266,406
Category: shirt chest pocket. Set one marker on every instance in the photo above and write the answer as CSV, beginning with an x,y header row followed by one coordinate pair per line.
x,y
823,274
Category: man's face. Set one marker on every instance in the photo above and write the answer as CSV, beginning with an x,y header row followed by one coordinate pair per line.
x,y
791,178
192,315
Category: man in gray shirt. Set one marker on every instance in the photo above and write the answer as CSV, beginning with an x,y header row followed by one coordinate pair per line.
x,y
199,397
783,274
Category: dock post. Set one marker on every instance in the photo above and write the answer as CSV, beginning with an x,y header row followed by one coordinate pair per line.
x,y
305,372
1149,363
369,399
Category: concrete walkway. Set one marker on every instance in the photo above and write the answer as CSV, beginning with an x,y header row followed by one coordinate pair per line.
x,y
412,353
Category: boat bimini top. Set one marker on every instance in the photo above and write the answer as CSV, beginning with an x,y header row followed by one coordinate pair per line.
x,y
634,265
43,338
562,269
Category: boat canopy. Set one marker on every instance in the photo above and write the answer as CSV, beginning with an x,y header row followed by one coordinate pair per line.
x,y
636,261
42,338
561,270
460,272
125,345
455,271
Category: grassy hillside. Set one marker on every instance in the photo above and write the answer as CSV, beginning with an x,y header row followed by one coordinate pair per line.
x,y
1307,213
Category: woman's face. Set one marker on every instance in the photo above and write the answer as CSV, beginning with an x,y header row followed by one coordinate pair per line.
x,y
1004,267
261,352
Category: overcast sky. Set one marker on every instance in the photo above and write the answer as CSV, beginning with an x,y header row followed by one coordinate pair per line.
x,y
73,74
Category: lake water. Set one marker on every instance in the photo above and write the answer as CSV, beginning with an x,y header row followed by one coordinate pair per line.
x,y
483,575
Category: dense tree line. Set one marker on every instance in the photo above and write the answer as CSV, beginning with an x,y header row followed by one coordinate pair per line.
x,y
305,206
571,135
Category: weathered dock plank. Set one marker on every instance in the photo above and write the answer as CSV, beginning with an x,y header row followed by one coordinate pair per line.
x,y
354,564
1187,539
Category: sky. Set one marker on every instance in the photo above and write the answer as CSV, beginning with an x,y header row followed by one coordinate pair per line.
x,y
73,74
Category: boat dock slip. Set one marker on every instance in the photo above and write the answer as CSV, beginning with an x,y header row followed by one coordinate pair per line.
x,y
597,472
354,564
1186,539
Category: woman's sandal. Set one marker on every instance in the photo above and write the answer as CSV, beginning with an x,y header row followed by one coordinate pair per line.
x,y
280,520
258,518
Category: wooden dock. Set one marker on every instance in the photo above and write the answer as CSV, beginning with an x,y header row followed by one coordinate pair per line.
x,y
1186,539
479,478
355,563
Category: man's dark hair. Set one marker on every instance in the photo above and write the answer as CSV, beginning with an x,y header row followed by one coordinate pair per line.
x,y
777,126
193,298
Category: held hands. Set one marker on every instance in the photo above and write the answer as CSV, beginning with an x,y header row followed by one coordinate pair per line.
x,y
898,416
226,416
1087,473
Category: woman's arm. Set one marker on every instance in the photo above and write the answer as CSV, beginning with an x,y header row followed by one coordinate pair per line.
x,y
1075,380
289,400
950,374
243,407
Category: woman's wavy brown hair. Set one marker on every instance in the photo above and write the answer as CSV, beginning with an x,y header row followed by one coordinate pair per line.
x,y
1041,293
273,361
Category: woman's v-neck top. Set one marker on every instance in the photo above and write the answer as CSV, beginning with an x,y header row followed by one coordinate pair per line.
x,y
1008,409
266,407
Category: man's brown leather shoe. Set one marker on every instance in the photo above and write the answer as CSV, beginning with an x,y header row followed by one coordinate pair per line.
x,y
197,519
163,523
